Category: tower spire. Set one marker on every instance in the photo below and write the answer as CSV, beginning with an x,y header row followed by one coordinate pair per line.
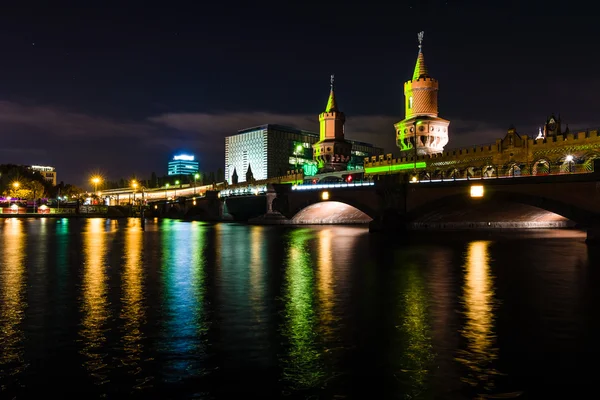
x,y
331,104
420,68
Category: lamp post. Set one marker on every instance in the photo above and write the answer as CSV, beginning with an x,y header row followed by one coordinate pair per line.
x,y
196,176
134,185
175,192
16,188
166,191
569,159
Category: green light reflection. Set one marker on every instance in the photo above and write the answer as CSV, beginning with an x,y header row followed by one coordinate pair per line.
x,y
183,247
303,367
416,349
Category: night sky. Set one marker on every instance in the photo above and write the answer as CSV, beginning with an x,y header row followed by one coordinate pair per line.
x,y
118,90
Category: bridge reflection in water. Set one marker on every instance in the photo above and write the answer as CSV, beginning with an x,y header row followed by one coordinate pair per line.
x,y
479,305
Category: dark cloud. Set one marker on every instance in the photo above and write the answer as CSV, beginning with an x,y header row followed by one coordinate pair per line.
x,y
80,144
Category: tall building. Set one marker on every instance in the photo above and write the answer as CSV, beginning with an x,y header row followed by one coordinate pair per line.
x,y
49,173
421,126
272,150
332,152
183,164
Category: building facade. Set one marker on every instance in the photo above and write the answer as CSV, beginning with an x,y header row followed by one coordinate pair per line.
x,y
49,173
272,150
332,152
183,164
551,150
421,131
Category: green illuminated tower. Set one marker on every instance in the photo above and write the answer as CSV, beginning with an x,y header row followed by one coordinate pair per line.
x,y
421,124
332,152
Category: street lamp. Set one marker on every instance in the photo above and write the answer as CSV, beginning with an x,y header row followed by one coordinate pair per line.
x,y
196,176
175,190
166,193
569,159
134,185
96,180
15,187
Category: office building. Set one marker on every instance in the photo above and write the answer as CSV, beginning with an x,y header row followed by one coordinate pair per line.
x,y
183,164
49,173
271,150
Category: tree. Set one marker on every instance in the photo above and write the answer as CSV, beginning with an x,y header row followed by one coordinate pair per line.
x,y
37,189
220,175
153,180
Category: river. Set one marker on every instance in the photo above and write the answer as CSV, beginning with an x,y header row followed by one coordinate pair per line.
x,y
93,308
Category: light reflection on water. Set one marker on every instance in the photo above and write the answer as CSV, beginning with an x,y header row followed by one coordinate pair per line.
x,y
12,301
189,309
303,364
479,307
183,285
133,311
94,302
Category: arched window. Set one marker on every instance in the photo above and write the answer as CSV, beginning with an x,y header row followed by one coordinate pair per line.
x,y
410,102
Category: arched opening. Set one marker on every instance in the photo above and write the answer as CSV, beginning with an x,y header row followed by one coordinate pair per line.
x,y
513,169
498,210
541,167
488,171
588,164
330,213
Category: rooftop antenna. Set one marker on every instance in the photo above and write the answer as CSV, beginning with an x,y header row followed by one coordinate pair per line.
x,y
331,81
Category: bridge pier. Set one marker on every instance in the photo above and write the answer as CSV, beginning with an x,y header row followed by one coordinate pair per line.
x,y
593,235
390,222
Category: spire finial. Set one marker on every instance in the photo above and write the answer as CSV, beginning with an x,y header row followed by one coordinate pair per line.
x,y
420,37
331,80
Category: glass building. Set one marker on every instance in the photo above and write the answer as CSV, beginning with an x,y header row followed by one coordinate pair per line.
x,y
183,164
272,150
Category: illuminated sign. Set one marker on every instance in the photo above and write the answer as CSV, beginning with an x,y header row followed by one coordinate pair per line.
x,y
395,167
183,157
477,191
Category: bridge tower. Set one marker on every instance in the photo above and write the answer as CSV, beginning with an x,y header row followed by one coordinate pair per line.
x,y
421,126
332,152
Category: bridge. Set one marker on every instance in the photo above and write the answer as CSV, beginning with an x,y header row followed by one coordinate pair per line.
x,y
396,203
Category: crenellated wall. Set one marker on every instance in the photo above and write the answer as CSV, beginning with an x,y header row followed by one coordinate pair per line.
x,y
573,152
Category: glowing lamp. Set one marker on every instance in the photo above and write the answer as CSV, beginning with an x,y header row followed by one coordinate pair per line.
x,y
413,179
477,191
325,195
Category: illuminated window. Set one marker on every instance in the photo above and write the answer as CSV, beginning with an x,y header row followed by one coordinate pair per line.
x,y
410,102
477,191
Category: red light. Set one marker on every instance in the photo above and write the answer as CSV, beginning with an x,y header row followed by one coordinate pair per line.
x,y
349,179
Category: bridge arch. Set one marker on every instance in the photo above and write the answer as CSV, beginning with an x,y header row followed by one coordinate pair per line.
x,y
588,160
569,211
338,211
541,167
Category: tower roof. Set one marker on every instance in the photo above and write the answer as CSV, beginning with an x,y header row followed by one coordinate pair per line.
x,y
331,103
420,67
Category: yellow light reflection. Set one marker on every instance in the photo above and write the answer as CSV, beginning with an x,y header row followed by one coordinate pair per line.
x,y
256,269
95,303
133,312
303,368
325,273
479,303
12,296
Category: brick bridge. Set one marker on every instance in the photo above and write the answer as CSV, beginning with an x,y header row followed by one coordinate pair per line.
x,y
393,202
